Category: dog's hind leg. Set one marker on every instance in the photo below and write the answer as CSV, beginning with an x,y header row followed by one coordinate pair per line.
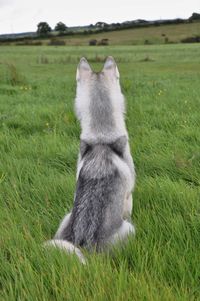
x,y
123,232
128,205
62,226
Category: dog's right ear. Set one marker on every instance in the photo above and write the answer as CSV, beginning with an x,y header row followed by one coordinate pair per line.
x,y
83,69
110,68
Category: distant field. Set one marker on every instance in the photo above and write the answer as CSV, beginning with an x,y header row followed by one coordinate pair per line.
x,y
154,35
139,36
39,142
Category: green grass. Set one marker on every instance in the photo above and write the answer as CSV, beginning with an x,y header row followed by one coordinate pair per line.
x,y
39,141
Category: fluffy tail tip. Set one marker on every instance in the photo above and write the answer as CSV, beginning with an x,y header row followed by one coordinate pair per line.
x,y
66,246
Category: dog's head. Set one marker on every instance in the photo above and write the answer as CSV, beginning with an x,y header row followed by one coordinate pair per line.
x,y
98,95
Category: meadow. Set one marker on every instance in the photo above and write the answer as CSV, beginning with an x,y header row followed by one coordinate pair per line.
x,y
164,34
39,144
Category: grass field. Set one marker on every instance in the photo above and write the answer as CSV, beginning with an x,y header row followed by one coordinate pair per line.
x,y
139,36
136,36
39,141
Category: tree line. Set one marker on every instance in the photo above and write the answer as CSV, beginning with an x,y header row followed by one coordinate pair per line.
x,y
45,31
43,28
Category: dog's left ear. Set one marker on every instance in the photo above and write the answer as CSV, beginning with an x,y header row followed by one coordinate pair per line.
x,y
110,67
83,69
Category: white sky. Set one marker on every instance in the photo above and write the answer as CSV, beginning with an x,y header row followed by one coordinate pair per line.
x,y
24,15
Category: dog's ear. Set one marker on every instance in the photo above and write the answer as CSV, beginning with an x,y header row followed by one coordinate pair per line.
x,y
119,145
84,148
83,69
110,67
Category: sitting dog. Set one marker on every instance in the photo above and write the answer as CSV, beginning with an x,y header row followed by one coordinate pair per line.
x,y
101,214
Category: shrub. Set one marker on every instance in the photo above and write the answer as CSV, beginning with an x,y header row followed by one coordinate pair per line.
x,y
166,40
93,42
13,76
191,40
147,59
103,42
29,43
56,42
42,59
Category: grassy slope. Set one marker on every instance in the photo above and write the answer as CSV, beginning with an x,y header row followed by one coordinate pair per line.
x,y
137,36
39,138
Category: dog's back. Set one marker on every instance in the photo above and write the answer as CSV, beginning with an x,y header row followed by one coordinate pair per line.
x,y
100,191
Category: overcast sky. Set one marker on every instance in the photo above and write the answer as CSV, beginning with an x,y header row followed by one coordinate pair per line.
x,y
24,15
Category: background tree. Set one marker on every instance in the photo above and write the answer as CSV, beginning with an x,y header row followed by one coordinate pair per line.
x,y
61,27
194,16
43,29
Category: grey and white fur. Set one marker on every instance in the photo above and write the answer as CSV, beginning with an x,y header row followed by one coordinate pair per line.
x,y
102,207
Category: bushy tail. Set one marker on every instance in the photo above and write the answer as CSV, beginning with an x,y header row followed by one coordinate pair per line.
x,y
66,246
